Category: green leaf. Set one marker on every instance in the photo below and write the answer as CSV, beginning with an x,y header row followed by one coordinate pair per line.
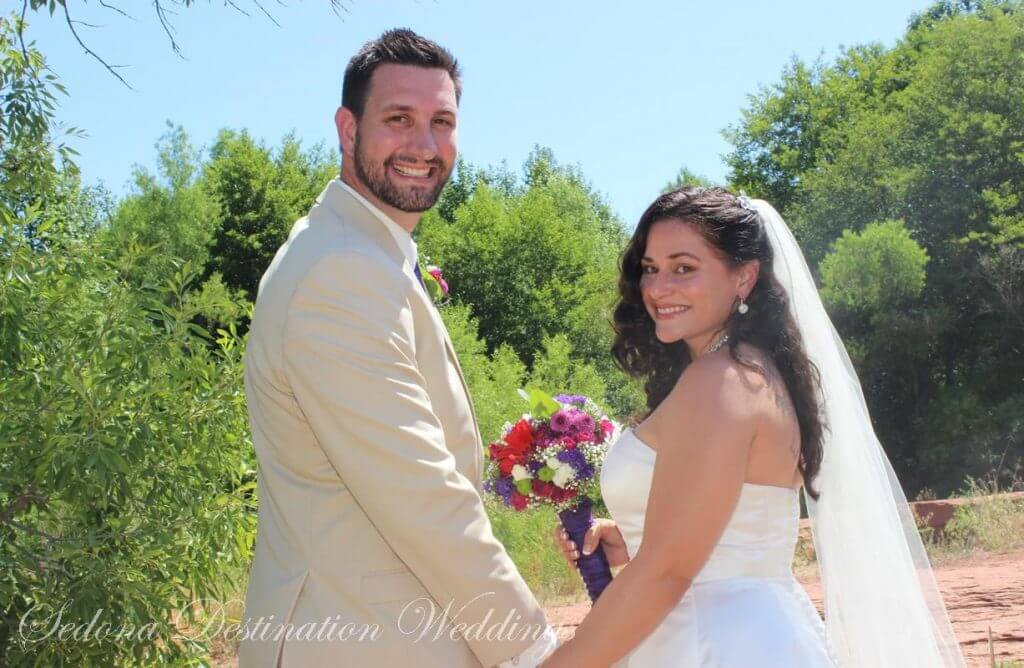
x,y
542,405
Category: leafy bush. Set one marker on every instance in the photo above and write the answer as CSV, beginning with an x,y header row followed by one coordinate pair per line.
x,y
873,270
125,467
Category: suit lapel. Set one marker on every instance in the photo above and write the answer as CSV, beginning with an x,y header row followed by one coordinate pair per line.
x,y
453,359
351,210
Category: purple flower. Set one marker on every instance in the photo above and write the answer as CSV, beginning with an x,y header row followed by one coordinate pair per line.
x,y
561,421
543,436
504,487
572,456
575,458
535,466
577,399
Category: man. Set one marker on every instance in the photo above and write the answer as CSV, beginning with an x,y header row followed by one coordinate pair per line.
x,y
373,547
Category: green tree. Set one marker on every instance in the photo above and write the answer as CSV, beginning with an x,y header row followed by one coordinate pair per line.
x,y
125,467
874,270
929,132
493,380
687,177
261,193
169,212
535,259
556,372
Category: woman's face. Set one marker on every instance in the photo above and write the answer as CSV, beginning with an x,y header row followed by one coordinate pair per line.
x,y
688,288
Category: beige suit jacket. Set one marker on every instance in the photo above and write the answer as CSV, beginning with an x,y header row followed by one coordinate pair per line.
x,y
371,525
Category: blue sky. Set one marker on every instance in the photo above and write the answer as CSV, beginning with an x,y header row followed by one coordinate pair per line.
x,y
629,91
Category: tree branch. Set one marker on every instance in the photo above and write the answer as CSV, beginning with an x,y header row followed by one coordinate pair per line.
x,y
266,13
117,9
168,28
110,68
238,9
35,532
21,31
24,499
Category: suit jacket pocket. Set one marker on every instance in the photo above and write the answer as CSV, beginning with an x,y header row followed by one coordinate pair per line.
x,y
392,586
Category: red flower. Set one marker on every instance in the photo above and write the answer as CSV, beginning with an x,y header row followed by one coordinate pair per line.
x,y
559,494
520,437
518,501
541,488
495,451
506,464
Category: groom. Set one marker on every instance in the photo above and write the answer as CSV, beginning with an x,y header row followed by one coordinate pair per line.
x,y
373,547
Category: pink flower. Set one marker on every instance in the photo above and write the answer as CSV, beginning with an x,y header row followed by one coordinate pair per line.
x,y
439,277
561,421
584,425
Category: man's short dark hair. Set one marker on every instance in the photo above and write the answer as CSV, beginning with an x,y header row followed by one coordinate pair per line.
x,y
400,46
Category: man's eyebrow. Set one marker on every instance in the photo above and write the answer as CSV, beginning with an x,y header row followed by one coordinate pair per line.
x,y
407,107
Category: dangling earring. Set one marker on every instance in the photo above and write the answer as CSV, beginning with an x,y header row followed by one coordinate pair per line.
x,y
742,308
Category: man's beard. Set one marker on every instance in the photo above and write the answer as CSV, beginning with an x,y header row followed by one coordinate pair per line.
x,y
411,199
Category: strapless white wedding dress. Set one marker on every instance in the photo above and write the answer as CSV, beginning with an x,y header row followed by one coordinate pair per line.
x,y
744,608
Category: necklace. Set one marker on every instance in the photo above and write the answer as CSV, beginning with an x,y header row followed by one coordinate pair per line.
x,y
717,345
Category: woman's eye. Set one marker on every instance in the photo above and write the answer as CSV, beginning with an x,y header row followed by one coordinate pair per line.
x,y
684,269
648,269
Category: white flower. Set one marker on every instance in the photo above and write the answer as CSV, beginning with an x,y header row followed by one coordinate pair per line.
x,y
520,472
563,474
553,463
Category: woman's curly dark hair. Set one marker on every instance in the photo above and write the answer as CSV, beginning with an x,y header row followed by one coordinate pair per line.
x,y
739,235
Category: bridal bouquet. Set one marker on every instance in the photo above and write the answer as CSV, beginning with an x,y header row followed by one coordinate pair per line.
x,y
552,457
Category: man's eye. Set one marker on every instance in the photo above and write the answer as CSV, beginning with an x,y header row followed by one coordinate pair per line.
x,y
397,119
444,121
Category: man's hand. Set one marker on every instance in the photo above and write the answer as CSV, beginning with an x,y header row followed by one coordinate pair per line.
x,y
603,532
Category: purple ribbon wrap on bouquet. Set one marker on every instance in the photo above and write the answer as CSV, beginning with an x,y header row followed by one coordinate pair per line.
x,y
594,568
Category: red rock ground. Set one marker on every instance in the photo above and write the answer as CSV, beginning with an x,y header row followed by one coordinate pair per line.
x,y
981,592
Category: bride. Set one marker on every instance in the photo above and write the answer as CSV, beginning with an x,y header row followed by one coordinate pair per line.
x,y
751,398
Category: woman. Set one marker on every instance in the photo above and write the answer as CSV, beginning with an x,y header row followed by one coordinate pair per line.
x,y
751,397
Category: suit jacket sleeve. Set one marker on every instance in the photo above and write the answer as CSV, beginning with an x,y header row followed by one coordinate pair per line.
x,y
350,359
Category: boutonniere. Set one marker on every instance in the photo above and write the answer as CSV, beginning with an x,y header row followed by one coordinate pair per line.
x,y
436,285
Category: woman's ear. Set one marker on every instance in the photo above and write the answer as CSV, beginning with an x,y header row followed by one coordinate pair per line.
x,y
746,276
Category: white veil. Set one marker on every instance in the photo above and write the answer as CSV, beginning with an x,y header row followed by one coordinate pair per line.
x,y
882,606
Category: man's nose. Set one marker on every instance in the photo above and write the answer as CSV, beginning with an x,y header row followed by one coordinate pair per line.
x,y
423,144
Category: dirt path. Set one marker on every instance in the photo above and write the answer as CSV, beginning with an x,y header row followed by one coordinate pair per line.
x,y
982,591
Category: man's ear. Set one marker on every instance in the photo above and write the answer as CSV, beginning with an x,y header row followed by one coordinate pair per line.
x,y
346,123
748,274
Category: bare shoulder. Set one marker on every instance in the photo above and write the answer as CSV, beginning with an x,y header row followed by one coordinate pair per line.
x,y
719,386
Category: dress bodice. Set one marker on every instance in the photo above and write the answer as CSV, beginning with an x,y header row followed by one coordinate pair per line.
x,y
744,607
758,541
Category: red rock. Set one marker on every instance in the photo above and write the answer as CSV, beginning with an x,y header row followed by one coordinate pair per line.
x,y
982,592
